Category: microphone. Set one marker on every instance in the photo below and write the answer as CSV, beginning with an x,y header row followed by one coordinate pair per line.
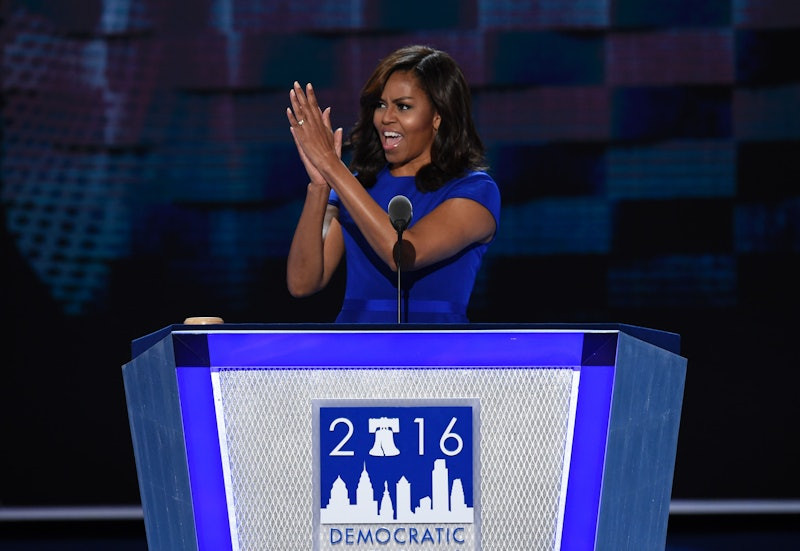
x,y
400,212
399,215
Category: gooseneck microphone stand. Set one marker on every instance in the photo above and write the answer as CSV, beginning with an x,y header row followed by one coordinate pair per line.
x,y
399,294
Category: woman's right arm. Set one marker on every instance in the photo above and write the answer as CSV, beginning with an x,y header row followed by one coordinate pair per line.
x,y
317,245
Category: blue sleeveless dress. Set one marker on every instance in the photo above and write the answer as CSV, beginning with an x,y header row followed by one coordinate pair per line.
x,y
435,294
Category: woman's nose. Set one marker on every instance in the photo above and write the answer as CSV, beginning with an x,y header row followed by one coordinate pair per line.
x,y
389,114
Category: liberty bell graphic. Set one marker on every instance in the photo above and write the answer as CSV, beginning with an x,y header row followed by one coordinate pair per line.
x,y
384,429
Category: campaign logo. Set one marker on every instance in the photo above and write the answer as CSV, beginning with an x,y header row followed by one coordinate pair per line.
x,y
407,467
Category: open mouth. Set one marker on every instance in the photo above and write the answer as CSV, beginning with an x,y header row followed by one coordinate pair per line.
x,y
391,140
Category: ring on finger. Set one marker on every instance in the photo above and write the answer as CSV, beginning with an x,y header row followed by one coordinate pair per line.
x,y
301,122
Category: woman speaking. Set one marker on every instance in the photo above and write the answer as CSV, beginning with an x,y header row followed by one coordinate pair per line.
x,y
415,137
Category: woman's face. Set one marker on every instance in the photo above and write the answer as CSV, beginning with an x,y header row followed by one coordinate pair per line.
x,y
406,123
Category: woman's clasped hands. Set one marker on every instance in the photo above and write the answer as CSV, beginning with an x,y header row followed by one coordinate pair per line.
x,y
318,145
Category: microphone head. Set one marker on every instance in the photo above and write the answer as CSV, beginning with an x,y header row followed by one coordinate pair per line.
x,y
400,212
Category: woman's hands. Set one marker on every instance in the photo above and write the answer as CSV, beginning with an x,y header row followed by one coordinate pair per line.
x,y
317,245
317,143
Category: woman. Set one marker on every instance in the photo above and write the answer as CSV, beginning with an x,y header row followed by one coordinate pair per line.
x,y
414,137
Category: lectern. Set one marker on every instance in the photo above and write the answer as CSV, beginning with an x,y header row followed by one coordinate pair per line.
x,y
405,437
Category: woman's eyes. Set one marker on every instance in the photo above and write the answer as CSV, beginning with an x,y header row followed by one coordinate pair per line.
x,y
400,106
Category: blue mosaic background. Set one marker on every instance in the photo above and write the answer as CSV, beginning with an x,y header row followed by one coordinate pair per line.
x,y
646,151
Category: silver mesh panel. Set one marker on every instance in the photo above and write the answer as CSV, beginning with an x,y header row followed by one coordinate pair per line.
x,y
267,413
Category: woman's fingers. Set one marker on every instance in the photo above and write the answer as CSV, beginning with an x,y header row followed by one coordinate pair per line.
x,y
300,104
337,142
311,127
337,134
290,115
304,104
326,118
311,98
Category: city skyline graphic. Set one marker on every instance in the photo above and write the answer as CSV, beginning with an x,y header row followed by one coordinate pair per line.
x,y
446,504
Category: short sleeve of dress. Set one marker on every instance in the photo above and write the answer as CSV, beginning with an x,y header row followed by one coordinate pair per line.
x,y
333,200
479,187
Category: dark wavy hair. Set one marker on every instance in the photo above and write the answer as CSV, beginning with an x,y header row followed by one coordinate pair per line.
x,y
456,148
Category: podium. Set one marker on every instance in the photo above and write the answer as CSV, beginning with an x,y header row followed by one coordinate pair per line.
x,y
405,437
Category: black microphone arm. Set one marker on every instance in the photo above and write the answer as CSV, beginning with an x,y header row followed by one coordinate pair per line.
x,y
400,213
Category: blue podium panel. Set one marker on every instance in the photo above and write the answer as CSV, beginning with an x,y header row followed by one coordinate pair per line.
x,y
267,437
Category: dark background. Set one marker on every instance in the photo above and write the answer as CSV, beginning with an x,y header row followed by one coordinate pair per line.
x,y
646,153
